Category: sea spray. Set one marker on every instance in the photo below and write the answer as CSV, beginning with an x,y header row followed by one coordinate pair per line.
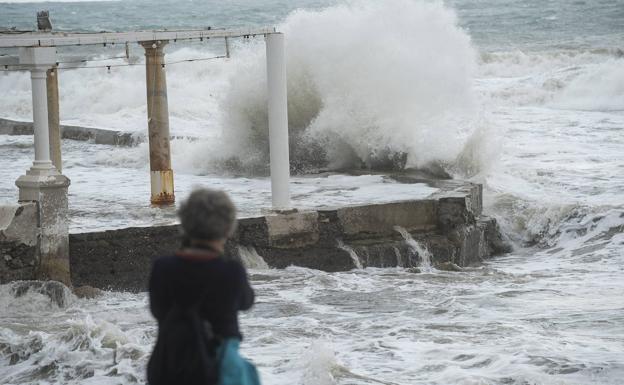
x,y
421,251
599,88
251,259
367,80
319,365
399,258
356,259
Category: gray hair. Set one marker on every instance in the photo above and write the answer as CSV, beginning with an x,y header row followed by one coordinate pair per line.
x,y
207,215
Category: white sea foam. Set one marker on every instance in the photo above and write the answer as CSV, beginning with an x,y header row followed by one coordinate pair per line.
x,y
522,318
599,88
251,259
365,78
319,363
588,80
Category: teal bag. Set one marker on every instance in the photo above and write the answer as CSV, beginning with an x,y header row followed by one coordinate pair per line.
x,y
234,369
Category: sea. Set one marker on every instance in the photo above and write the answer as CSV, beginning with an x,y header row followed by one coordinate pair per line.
x,y
524,97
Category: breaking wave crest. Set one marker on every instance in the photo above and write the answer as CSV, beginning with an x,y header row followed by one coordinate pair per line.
x,y
369,83
585,80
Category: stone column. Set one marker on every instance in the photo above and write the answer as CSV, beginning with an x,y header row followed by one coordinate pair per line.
x,y
53,118
278,121
161,175
43,183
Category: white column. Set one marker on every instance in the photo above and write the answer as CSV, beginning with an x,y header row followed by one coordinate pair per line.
x,y
278,121
38,78
38,60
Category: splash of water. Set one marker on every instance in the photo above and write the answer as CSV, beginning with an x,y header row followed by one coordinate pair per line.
x,y
399,257
403,88
356,259
319,364
251,259
422,251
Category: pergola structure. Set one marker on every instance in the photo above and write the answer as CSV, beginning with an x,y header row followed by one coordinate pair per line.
x,y
44,182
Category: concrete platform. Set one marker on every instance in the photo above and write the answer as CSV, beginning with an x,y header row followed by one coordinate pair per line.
x,y
449,224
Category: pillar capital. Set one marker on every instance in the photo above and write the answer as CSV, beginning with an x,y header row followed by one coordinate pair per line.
x,y
37,59
38,72
154,47
32,184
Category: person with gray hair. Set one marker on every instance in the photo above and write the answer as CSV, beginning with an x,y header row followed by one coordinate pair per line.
x,y
195,295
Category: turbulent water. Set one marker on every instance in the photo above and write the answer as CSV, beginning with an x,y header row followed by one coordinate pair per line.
x,y
524,97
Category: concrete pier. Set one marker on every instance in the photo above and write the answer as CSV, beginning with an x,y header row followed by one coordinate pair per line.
x,y
42,183
161,174
449,224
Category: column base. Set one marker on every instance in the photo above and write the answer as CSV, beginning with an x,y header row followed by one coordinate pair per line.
x,y
162,187
37,179
49,189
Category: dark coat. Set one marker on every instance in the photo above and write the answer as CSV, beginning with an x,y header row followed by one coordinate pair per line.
x,y
188,278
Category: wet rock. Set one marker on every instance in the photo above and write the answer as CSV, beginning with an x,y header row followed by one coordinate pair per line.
x,y
496,242
54,290
87,292
448,266
414,270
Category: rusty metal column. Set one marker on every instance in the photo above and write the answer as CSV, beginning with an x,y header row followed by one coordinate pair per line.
x,y
53,118
161,175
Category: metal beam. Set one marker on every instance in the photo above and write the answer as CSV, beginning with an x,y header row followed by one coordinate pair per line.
x,y
58,39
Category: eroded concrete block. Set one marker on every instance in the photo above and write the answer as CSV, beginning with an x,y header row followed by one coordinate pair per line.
x,y
18,242
49,193
381,219
293,230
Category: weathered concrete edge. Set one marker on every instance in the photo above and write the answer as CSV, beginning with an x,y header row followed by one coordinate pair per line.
x,y
96,135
